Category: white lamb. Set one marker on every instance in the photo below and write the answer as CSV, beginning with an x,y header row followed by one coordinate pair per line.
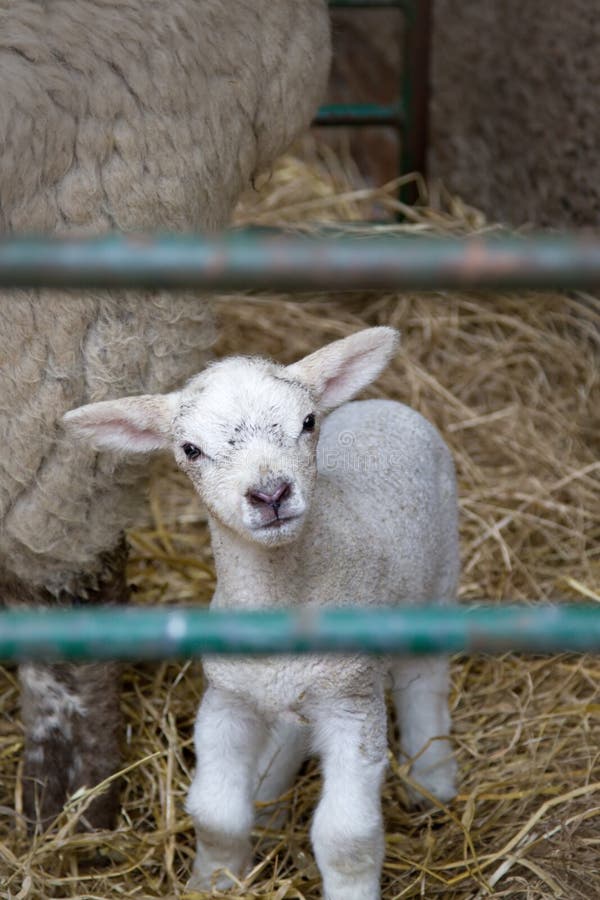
x,y
358,507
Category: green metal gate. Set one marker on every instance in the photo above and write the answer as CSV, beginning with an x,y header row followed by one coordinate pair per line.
x,y
409,114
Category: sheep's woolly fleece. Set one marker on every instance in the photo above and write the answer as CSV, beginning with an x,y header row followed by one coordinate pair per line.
x,y
155,117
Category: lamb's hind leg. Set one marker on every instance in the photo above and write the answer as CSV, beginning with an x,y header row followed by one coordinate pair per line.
x,y
420,692
284,753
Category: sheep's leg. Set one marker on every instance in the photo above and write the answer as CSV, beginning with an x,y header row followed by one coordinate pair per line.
x,y
420,692
347,831
229,737
279,762
72,723
71,714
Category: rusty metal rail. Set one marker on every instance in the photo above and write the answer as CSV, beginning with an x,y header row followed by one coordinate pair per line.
x,y
269,260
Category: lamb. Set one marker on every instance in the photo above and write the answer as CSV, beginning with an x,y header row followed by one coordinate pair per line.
x,y
305,509
135,116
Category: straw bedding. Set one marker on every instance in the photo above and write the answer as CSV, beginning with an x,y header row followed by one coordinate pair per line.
x,y
512,381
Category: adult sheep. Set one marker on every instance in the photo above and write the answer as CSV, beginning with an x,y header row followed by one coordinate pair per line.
x,y
132,115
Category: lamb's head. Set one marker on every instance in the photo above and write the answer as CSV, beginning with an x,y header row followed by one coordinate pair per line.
x,y
245,430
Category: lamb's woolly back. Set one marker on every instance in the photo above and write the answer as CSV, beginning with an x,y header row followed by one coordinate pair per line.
x,y
138,115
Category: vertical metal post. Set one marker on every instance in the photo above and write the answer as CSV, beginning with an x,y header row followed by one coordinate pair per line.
x,y
415,92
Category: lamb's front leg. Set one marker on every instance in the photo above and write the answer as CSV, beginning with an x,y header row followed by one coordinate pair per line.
x,y
347,831
228,737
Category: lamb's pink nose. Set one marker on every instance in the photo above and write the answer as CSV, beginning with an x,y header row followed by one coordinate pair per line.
x,y
275,499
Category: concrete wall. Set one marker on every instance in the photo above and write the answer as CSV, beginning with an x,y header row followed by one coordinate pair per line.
x,y
515,113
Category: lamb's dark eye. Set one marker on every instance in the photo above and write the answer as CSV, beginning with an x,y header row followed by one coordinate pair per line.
x,y
309,423
191,451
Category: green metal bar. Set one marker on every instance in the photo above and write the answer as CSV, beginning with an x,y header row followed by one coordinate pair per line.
x,y
125,633
268,260
360,114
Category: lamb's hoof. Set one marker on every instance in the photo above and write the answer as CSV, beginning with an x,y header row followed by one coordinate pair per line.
x,y
202,883
439,782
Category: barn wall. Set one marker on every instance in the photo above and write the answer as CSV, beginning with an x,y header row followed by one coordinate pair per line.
x,y
515,111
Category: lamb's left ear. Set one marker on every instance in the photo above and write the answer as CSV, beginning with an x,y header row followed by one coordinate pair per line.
x,y
338,371
130,425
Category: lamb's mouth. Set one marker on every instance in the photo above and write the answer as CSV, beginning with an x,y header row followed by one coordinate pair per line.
x,y
276,522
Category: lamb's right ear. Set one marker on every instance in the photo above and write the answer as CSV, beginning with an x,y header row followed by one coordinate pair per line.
x,y
130,425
